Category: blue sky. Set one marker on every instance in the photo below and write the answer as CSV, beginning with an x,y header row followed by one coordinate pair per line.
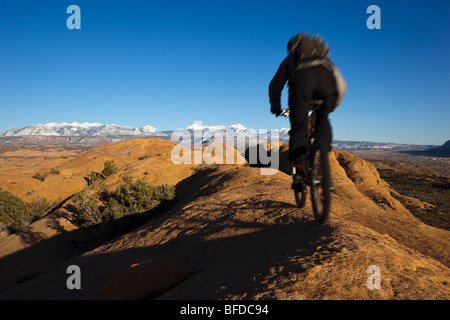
x,y
170,63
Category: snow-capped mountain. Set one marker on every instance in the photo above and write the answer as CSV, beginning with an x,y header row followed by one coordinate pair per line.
x,y
147,130
86,129
81,129
235,130
236,134
198,126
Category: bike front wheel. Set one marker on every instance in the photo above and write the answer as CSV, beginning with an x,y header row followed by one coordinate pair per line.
x,y
320,183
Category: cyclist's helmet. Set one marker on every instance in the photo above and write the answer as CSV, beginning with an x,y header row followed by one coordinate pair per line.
x,y
293,42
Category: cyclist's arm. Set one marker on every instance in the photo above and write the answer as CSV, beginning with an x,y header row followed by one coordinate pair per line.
x,y
277,84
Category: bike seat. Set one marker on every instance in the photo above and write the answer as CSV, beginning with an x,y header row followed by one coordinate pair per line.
x,y
315,104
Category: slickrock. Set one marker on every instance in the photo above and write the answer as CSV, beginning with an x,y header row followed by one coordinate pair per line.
x,y
237,234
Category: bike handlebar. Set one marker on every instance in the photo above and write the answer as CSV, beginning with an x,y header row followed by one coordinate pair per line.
x,y
313,104
285,113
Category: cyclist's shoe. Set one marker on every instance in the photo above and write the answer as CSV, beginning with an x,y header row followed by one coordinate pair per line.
x,y
297,183
332,188
299,178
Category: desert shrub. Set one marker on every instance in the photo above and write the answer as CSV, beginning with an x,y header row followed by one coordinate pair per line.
x,y
134,197
165,192
36,210
39,207
54,171
130,197
87,206
109,168
144,157
13,210
40,176
94,176
194,169
3,231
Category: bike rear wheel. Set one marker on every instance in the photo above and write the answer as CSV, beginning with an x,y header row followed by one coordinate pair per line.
x,y
320,183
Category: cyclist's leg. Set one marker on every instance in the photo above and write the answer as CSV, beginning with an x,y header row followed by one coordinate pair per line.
x,y
328,93
323,128
298,139
298,144
300,93
299,97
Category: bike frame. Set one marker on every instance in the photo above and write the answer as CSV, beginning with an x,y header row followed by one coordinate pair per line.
x,y
312,108
317,170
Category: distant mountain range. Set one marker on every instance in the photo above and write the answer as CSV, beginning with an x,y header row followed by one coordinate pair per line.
x,y
440,151
360,145
238,131
76,129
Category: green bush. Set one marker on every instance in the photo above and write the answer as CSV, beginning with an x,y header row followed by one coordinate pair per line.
x,y
94,176
144,157
13,210
134,197
87,206
40,176
109,168
38,208
15,214
3,231
130,197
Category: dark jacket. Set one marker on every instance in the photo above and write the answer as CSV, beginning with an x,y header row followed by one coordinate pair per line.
x,y
279,81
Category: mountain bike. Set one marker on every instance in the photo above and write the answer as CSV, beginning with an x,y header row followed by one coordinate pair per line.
x,y
316,174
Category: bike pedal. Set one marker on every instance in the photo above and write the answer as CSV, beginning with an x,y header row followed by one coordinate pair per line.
x,y
297,184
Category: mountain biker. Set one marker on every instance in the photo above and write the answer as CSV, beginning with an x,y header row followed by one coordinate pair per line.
x,y
311,81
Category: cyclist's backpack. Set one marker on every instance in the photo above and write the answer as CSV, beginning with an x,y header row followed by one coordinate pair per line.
x,y
341,84
313,51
